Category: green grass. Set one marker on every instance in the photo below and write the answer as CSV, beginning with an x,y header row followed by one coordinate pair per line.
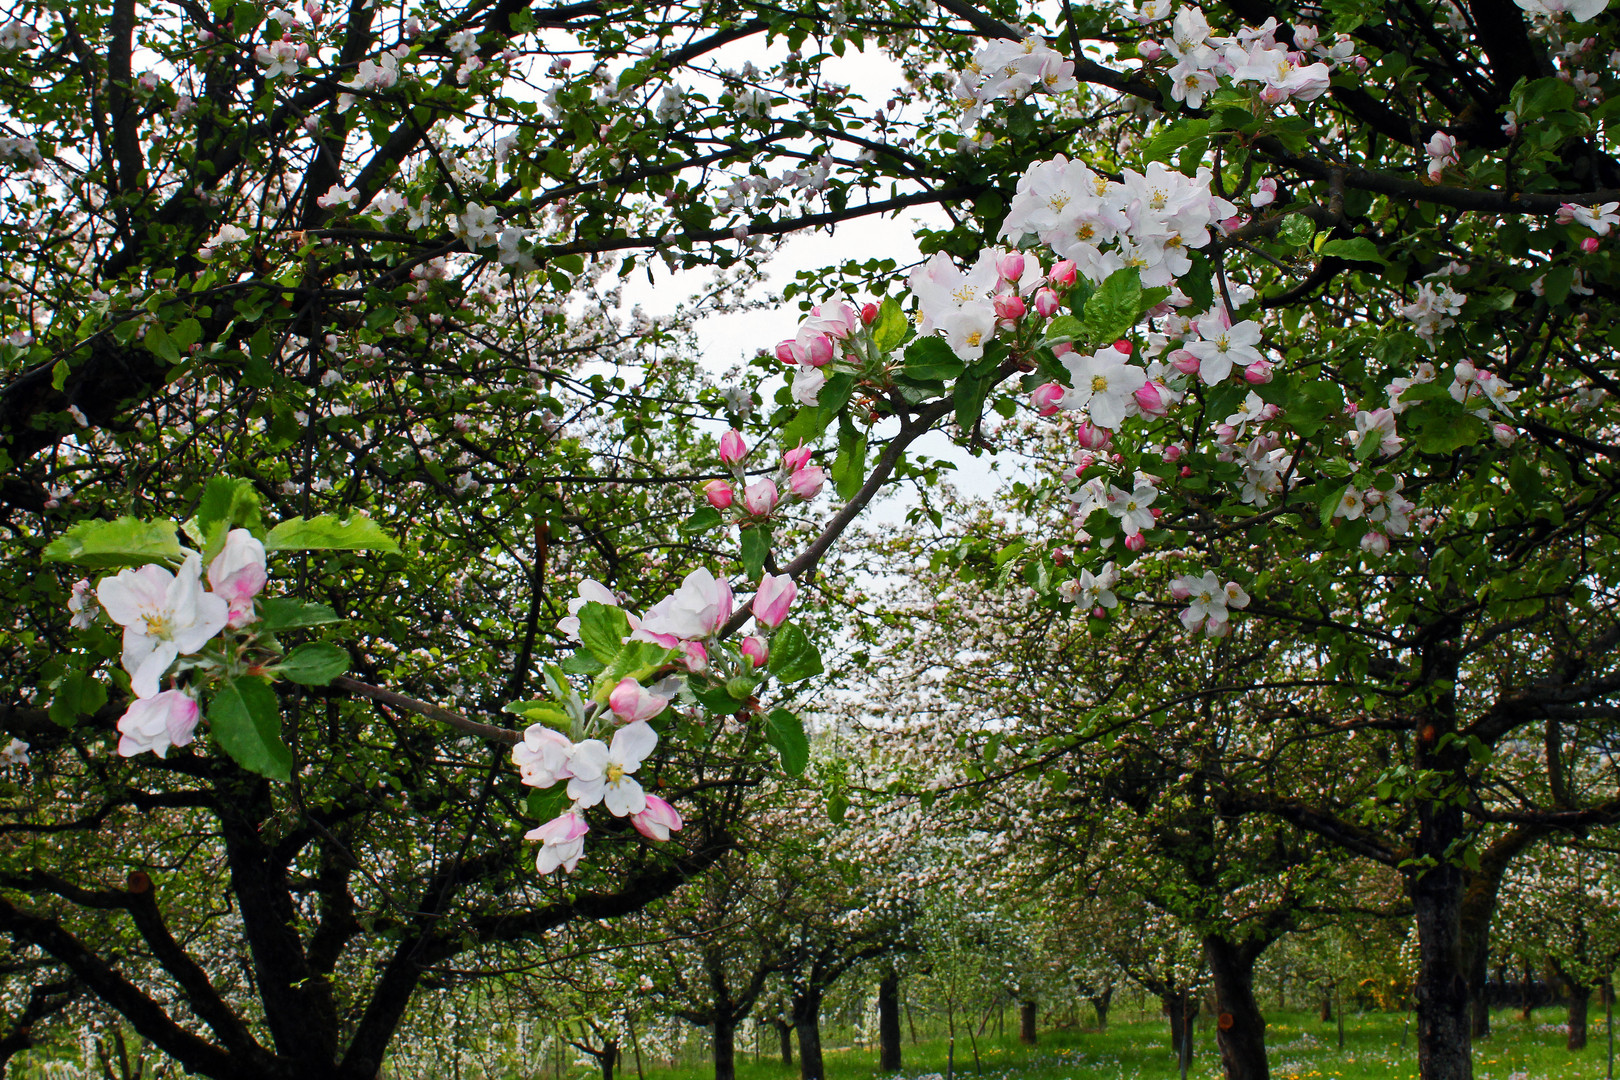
x,y
1300,1048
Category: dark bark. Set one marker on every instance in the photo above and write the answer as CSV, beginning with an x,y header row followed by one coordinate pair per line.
x,y
807,1025
1026,1023
1240,1030
889,1022
724,1030
1100,1001
1479,907
784,1035
1580,1000
1182,1009
1325,1012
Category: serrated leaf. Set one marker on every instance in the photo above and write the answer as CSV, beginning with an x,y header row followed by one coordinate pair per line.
x,y
285,613
889,329
602,629
245,719
545,804
793,656
1062,330
1296,230
1163,145
849,467
634,660
329,533
125,541
717,700
314,664
541,711
969,394
930,359
785,732
1356,249
837,806
702,521
1114,308
756,544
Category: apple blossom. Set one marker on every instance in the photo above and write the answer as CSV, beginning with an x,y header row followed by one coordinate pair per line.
x,y
630,701
1103,386
754,647
807,384
590,591
542,756
695,610
657,821
806,483
796,459
80,605
163,615
760,497
719,493
1046,399
157,723
732,447
562,842
602,772
238,574
1375,543
773,598
15,753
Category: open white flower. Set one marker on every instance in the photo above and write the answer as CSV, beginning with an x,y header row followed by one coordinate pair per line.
x,y
163,616
602,772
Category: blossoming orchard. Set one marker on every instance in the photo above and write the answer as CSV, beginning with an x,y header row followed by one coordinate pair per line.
x,y
481,594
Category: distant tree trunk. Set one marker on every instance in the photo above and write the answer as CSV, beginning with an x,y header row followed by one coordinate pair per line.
x,y
1182,1010
725,1049
1240,1029
1325,1012
1026,1023
807,1023
1580,998
889,1022
1100,1001
784,1036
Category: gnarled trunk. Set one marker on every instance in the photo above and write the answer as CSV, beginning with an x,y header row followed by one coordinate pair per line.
x,y
725,1049
889,1022
1026,1023
1240,1029
1580,1000
1100,1001
807,1024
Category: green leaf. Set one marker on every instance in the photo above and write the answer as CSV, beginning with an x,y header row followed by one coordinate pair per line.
x,y
1330,505
756,544
544,712
1296,230
785,732
285,613
125,541
718,700
837,806
969,394
889,330
314,664
329,533
702,521
1114,308
1173,138
160,344
228,502
793,656
76,695
245,719
849,468
543,805
930,358
1356,249
602,629
1064,329
634,660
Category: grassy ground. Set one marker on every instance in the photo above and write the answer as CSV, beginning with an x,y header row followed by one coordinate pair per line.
x,y
1301,1048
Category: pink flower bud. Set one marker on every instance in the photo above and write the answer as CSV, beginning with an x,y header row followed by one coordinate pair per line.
x,y
789,352
1123,346
1010,266
1180,589
761,497
819,352
1172,453
1063,274
1375,543
869,314
1149,50
1136,542
1184,362
806,483
719,494
1098,613
1044,398
1093,437
630,701
1504,434
1047,303
753,646
1084,461
1009,308
1258,372
697,657
1186,471
773,598
657,821
1225,433
796,459
732,447
1062,349
1150,399
1589,245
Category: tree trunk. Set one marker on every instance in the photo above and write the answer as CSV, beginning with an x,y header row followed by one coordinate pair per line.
x,y
1172,1005
784,1035
609,1057
1436,887
889,1022
725,1049
1026,1023
807,1023
1580,998
1100,1001
1240,1030
1325,1012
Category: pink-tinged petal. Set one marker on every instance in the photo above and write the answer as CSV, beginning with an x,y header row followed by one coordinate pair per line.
x,y
132,594
631,745
773,599
657,821
143,680
238,572
207,618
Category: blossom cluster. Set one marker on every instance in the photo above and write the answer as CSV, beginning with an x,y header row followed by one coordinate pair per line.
x,y
1011,70
168,616
797,477
1253,56
825,335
